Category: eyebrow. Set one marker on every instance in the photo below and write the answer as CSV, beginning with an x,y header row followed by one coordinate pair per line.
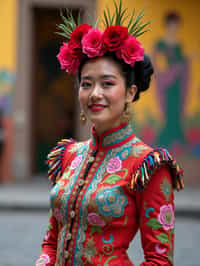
x,y
101,76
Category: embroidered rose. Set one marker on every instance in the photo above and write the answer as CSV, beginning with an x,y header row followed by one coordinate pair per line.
x,y
76,162
111,201
114,165
114,36
166,216
160,250
57,214
95,219
131,51
92,43
42,260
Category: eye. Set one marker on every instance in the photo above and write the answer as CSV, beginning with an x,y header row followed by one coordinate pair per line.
x,y
108,84
85,84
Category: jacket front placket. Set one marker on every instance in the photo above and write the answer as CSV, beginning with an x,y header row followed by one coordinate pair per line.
x,y
92,160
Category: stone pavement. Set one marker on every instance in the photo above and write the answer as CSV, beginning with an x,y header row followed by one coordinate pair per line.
x,y
34,195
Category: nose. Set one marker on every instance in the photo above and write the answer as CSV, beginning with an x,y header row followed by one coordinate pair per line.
x,y
96,93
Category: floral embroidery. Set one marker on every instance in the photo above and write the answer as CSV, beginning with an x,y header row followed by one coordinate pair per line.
x,y
148,210
108,241
94,219
114,165
160,250
58,214
166,216
111,202
165,220
76,162
166,188
42,260
112,179
123,155
89,251
137,150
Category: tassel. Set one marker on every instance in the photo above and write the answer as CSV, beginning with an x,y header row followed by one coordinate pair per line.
x,y
150,164
54,160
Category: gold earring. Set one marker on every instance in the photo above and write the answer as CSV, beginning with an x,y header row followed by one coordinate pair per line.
x,y
127,114
83,118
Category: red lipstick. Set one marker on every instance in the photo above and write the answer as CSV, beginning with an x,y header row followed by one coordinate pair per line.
x,y
96,107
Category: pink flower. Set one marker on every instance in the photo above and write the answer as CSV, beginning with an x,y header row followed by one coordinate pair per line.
x,y
43,260
166,216
57,214
131,51
69,58
95,219
92,43
114,165
76,162
160,250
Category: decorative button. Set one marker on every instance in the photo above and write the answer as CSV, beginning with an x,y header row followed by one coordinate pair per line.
x,y
81,182
72,214
91,159
69,236
66,254
92,169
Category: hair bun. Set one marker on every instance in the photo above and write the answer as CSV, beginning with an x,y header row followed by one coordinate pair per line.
x,y
143,71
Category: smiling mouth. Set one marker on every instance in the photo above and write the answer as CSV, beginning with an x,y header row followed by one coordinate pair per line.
x,y
97,107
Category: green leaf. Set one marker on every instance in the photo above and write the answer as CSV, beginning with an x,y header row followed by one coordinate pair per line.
x,y
163,238
112,179
154,224
138,150
96,229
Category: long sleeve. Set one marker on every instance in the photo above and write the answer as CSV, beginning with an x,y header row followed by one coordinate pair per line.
x,y
49,244
155,205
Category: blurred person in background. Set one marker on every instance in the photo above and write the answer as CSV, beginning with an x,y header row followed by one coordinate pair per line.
x,y
107,188
172,78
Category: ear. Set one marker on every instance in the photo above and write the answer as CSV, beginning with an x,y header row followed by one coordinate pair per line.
x,y
130,93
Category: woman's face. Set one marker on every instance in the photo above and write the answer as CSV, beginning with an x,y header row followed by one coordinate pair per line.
x,y
102,93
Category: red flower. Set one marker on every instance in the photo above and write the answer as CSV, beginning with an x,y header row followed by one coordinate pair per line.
x,y
114,37
68,58
92,43
77,35
131,51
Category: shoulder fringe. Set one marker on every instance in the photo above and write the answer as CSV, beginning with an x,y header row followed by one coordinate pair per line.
x,y
54,160
150,164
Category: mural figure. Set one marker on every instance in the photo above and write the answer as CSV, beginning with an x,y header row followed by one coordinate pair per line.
x,y
172,84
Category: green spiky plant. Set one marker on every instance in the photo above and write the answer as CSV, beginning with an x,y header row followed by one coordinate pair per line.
x,y
119,17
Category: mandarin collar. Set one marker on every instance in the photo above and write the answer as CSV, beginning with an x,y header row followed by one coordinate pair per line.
x,y
112,138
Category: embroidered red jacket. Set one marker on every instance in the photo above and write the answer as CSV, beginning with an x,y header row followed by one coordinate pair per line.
x,y
105,190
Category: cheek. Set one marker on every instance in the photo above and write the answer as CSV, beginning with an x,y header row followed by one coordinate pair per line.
x,y
82,97
117,96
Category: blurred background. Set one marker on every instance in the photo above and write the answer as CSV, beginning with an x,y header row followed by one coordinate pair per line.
x,y
39,106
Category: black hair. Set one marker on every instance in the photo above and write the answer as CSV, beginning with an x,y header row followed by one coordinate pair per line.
x,y
172,17
139,74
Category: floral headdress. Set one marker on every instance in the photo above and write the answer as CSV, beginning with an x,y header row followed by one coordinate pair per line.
x,y
88,41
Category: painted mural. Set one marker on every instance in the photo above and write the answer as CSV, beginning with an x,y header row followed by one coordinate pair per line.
x,y
172,124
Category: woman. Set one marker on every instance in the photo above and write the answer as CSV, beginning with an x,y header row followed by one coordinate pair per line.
x,y
172,84
109,187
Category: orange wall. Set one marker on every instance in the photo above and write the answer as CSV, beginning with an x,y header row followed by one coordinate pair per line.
x,y
8,34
